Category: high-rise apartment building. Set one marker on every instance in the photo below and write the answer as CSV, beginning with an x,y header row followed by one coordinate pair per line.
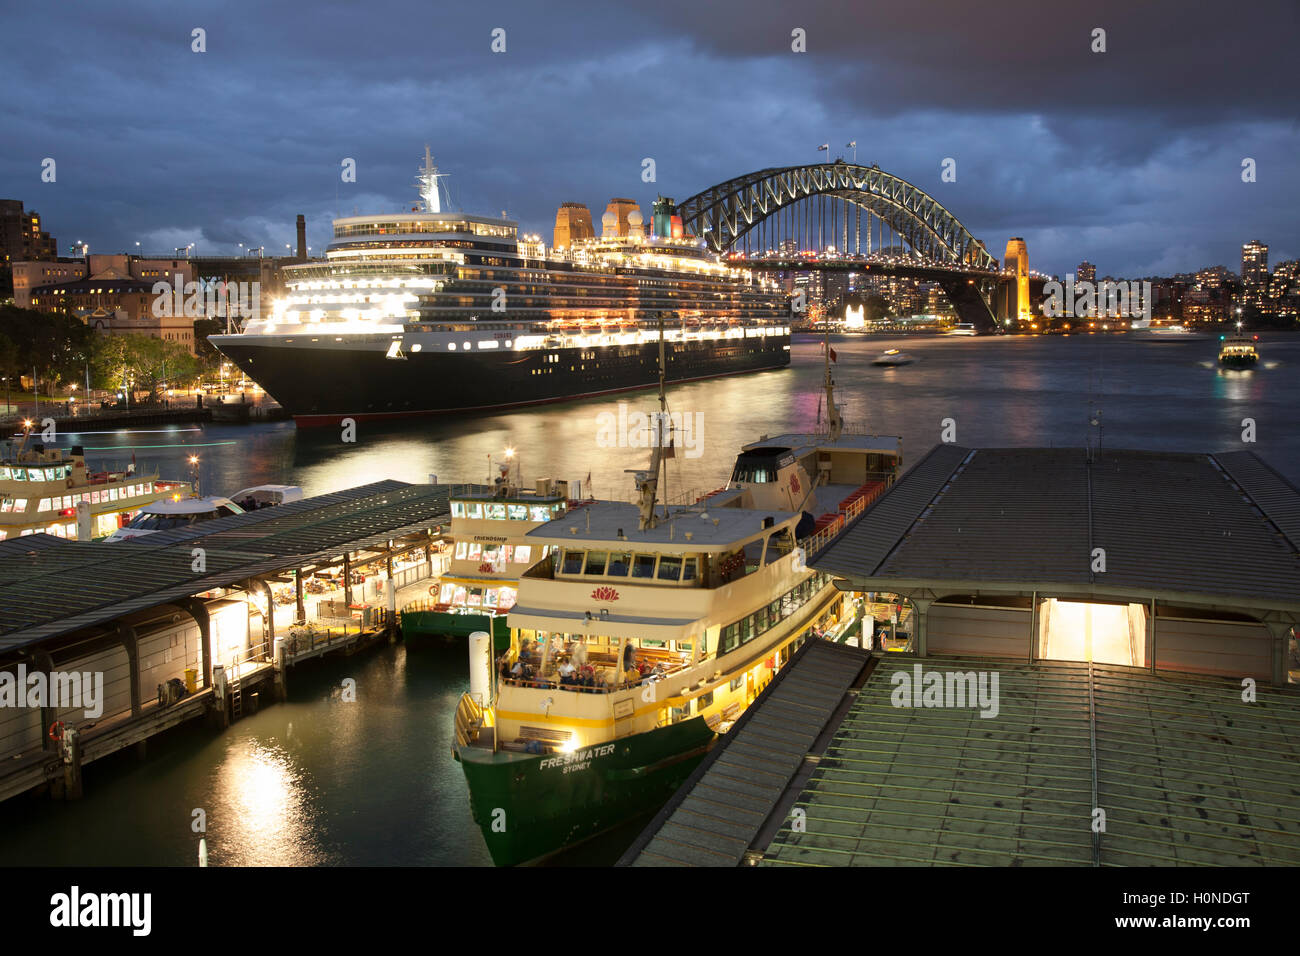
x,y
21,237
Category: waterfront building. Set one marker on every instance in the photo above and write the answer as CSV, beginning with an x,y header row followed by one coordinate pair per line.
x,y
1086,272
115,304
30,276
1254,273
1254,262
1284,290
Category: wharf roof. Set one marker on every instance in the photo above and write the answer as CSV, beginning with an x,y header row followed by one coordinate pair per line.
x,y
802,441
1186,772
1207,527
708,527
50,586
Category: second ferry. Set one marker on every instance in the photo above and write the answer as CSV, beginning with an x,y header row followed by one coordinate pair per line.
x,y
429,311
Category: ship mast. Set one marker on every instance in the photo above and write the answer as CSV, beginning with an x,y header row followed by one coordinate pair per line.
x,y
647,481
427,183
834,424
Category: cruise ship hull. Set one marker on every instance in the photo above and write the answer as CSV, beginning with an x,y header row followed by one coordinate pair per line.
x,y
321,384
529,807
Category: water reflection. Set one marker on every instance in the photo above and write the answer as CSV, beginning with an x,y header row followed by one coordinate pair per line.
x,y
260,813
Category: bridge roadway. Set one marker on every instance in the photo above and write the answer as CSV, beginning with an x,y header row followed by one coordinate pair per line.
x,y
978,295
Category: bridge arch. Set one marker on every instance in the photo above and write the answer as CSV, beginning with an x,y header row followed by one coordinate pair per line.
x,y
724,213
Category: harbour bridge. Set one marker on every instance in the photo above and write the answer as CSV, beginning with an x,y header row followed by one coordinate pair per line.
x,y
842,217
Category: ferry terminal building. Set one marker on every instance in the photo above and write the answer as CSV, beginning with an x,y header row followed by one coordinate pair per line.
x,y
1162,561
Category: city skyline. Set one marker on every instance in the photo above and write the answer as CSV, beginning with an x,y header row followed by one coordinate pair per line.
x,y
1123,157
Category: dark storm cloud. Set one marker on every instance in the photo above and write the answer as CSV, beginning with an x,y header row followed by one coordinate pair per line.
x,y
1130,158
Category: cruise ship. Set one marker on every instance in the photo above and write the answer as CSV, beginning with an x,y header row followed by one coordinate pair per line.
x,y
429,311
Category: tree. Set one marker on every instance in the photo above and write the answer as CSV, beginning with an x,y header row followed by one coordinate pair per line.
x,y
56,346
142,362
209,357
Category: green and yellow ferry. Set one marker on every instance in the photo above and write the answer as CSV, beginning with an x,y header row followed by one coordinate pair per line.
x,y
646,632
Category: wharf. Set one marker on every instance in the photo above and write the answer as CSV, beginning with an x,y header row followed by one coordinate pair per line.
x,y
226,609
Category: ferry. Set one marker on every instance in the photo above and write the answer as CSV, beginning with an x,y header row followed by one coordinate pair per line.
x,y
1143,331
430,311
1238,351
963,328
647,631
491,551
50,490
892,357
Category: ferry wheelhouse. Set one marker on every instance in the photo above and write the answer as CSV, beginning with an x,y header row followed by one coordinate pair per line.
x,y
42,490
649,630
430,311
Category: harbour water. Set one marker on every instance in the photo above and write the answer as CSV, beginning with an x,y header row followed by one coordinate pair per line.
x,y
320,781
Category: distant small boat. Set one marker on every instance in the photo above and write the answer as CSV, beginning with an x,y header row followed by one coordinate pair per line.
x,y
893,357
963,328
1238,351
1143,331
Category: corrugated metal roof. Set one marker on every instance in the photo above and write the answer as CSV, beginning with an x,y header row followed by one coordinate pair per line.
x,y
893,515
1167,522
1187,773
728,799
1273,494
49,586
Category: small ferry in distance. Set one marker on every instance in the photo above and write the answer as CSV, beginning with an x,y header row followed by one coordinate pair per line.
x,y
1141,330
963,328
648,630
891,357
45,489
1238,351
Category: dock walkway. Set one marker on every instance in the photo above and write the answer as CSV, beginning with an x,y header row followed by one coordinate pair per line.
x,y
721,810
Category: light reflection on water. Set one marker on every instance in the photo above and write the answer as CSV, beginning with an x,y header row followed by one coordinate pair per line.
x,y
260,814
